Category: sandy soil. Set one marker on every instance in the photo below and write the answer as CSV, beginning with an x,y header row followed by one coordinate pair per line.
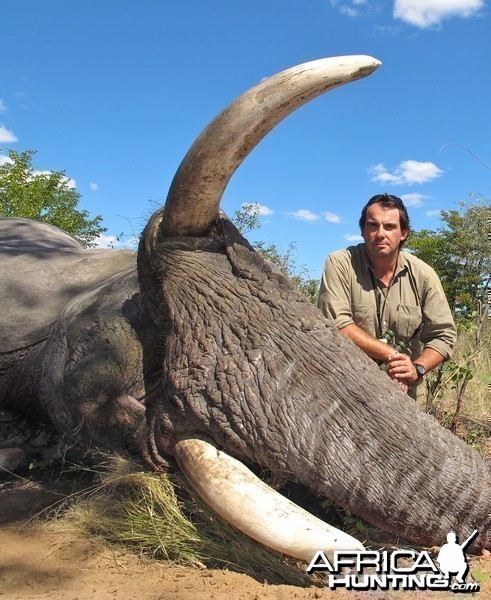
x,y
39,560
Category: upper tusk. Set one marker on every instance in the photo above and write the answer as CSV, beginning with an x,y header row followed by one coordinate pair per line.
x,y
231,490
195,193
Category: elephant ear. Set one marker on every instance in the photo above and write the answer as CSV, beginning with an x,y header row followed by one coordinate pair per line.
x,y
245,261
43,269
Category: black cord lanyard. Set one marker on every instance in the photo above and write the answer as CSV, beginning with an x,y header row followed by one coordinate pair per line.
x,y
380,309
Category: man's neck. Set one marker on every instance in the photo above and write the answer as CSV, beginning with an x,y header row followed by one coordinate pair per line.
x,y
384,268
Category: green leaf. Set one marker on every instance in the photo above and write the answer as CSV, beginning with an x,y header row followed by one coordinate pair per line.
x,y
479,576
360,526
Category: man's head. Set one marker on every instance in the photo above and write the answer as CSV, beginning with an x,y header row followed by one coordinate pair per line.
x,y
451,538
384,225
388,201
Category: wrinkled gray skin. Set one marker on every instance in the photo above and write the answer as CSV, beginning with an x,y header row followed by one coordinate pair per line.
x,y
204,337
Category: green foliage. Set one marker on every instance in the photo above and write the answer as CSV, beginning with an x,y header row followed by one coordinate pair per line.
x,y
476,437
44,196
346,520
248,219
465,377
309,288
455,374
460,252
479,576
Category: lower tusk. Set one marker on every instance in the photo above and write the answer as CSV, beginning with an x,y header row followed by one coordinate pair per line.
x,y
231,490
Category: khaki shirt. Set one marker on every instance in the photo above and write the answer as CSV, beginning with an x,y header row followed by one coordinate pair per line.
x,y
414,307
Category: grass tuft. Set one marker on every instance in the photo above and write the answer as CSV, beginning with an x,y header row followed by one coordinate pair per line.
x,y
156,516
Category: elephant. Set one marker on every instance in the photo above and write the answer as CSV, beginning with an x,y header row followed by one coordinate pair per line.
x,y
194,349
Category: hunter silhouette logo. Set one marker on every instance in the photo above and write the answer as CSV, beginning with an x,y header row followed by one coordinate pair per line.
x,y
400,569
451,558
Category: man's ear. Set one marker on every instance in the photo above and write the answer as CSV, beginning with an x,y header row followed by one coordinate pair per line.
x,y
404,235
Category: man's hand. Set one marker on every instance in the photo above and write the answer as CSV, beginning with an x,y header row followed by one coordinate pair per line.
x,y
401,368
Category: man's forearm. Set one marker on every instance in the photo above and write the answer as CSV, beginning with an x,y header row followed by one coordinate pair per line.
x,y
370,345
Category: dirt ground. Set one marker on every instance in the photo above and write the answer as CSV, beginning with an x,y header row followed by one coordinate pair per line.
x,y
42,560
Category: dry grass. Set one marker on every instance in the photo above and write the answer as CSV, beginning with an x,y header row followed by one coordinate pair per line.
x,y
474,423
157,517
477,400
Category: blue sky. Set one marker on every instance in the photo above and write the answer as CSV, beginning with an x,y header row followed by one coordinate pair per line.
x,y
115,92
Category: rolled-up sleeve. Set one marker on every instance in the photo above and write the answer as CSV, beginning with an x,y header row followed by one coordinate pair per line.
x,y
334,295
438,331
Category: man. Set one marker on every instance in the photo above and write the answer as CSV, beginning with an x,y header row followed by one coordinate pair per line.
x,y
376,287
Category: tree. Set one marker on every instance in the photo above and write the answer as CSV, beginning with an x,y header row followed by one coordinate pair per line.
x,y
247,219
460,253
44,196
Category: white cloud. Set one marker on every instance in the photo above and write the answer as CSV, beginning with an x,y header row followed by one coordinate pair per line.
x,y
349,8
428,13
304,215
110,242
93,186
3,106
105,241
71,183
331,217
263,211
433,213
413,199
354,238
6,136
349,11
407,173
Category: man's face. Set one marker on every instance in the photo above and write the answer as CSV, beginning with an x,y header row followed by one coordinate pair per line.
x,y
382,231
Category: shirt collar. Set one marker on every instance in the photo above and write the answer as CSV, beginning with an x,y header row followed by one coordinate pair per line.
x,y
401,260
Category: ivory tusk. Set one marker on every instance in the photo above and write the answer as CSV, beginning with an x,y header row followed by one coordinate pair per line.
x,y
197,188
231,490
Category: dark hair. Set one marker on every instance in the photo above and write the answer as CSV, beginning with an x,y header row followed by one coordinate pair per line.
x,y
388,201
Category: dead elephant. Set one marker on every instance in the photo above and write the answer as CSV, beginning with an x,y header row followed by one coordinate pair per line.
x,y
198,338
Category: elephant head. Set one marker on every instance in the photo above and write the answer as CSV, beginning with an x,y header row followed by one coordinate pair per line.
x,y
253,367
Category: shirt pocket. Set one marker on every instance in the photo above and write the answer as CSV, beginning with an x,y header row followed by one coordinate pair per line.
x,y
409,319
364,317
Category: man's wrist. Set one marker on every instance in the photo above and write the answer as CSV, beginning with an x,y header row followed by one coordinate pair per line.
x,y
420,370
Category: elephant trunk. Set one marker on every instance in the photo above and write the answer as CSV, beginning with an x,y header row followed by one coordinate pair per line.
x,y
253,365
